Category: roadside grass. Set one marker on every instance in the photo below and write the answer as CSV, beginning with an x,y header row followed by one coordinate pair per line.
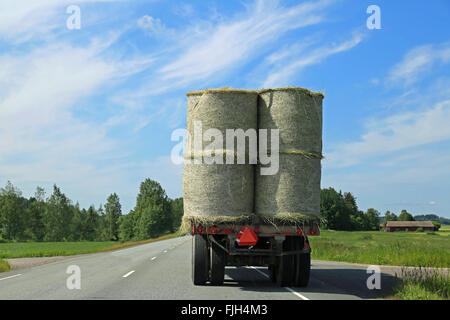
x,y
4,266
50,249
422,284
420,249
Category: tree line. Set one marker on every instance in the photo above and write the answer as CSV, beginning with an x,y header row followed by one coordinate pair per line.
x,y
340,212
57,218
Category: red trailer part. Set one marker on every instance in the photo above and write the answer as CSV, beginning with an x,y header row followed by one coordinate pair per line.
x,y
285,250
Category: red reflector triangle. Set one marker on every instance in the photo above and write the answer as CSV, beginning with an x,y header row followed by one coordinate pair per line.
x,y
247,237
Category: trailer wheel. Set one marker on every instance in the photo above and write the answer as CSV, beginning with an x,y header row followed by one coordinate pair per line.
x,y
302,265
272,273
200,265
286,265
303,269
218,256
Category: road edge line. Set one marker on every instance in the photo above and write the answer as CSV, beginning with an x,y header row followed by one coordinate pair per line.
x,y
16,275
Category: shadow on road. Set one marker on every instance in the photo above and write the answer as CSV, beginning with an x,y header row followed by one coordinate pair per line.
x,y
325,283
348,281
249,280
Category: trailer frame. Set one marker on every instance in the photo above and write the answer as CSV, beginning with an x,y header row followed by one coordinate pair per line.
x,y
284,249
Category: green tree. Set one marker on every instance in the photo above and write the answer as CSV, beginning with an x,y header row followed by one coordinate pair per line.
x,y
350,202
36,211
101,223
91,230
389,216
371,219
12,212
355,215
113,212
152,210
436,225
57,217
77,225
127,226
176,208
405,216
334,210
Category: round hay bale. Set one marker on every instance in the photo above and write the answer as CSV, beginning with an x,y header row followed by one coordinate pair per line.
x,y
222,109
218,190
214,190
192,100
297,113
295,189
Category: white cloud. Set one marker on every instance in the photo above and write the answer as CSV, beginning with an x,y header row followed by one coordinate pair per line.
x,y
42,141
152,25
230,43
42,87
184,10
282,76
417,62
23,20
374,81
393,133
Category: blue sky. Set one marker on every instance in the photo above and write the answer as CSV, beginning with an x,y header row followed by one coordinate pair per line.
x,y
93,109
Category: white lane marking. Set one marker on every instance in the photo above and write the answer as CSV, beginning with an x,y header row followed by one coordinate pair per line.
x,y
139,247
16,275
129,273
287,288
153,258
165,251
296,293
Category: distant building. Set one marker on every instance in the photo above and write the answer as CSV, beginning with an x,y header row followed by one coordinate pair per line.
x,y
392,226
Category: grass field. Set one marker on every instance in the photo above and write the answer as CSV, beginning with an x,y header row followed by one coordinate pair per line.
x,y
384,248
49,249
418,249
422,284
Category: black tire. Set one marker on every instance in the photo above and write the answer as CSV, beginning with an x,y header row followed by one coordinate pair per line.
x,y
286,265
200,259
304,269
272,273
302,265
218,256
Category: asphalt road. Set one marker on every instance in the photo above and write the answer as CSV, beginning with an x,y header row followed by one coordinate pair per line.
x,y
162,270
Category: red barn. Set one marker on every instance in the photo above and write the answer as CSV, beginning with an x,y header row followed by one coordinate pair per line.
x,y
392,226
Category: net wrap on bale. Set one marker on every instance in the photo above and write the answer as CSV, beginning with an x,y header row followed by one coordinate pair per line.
x,y
215,190
295,189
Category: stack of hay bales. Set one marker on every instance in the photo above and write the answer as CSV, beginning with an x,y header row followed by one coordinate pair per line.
x,y
294,192
219,190
223,193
